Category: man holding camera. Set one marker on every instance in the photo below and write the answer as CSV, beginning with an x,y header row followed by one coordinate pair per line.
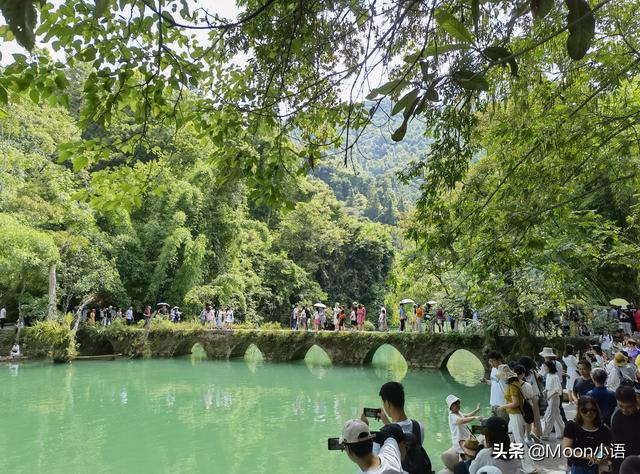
x,y
358,444
416,460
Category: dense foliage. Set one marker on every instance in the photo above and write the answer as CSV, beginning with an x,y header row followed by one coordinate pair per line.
x,y
185,239
193,135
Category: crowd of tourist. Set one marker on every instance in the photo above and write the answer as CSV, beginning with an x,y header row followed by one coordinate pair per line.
x,y
220,318
528,401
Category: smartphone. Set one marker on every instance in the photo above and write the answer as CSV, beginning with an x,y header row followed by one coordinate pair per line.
x,y
372,412
477,429
334,444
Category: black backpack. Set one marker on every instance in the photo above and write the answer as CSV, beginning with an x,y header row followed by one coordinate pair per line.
x,y
417,460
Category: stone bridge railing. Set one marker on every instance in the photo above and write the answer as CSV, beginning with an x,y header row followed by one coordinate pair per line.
x,y
353,348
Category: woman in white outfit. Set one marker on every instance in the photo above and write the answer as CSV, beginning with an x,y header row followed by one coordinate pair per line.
x,y
553,392
228,319
382,319
571,361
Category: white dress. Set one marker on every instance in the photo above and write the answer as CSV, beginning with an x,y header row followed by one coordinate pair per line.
x,y
572,370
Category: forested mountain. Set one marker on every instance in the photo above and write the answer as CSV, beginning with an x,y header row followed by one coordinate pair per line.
x,y
368,181
168,229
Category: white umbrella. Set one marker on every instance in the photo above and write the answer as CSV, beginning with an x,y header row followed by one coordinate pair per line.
x,y
407,301
432,302
163,304
320,305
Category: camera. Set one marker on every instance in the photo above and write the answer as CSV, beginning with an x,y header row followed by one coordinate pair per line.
x,y
334,444
372,412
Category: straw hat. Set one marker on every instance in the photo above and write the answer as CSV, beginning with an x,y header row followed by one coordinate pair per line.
x,y
471,447
547,352
505,373
620,359
451,399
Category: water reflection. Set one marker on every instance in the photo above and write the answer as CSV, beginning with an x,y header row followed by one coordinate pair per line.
x,y
389,364
268,417
465,368
253,358
198,353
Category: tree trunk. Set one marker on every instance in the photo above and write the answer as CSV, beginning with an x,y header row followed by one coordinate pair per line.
x,y
51,314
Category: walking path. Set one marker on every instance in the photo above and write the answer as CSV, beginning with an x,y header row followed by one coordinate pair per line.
x,y
557,465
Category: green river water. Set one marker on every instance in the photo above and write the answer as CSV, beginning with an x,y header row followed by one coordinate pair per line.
x,y
194,415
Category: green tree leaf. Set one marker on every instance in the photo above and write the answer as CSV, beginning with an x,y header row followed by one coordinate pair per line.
x,y
405,102
582,28
102,7
21,16
496,53
540,8
470,80
453,26
400,132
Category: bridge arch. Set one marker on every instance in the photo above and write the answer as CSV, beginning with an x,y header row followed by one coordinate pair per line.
x,y
239,349
444,358
318,355
384,346
103,346
253,352
300,351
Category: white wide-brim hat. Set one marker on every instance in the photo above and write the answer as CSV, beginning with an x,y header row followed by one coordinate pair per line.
x,y
451,399
547,352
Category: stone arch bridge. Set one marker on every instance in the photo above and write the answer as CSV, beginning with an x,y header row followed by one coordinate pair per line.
x,y
350,348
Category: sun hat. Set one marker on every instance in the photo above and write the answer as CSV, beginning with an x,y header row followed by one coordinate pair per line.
x,y
450,458
630,465
547,352
620,359
355,431
504,372
489,470
471,446
451,399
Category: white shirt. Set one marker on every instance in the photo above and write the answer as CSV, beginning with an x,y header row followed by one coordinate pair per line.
x,y
527,390
531,380
498,388
606,342
389,459
459,432
485,458
3,313
229,317
407,427
552,385
129,314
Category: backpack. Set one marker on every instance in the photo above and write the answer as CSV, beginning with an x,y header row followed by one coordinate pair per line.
x,y
627,381
527,409
416,460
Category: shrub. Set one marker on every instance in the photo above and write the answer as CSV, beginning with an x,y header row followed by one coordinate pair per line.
x,y
369,326
271,326
54,338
